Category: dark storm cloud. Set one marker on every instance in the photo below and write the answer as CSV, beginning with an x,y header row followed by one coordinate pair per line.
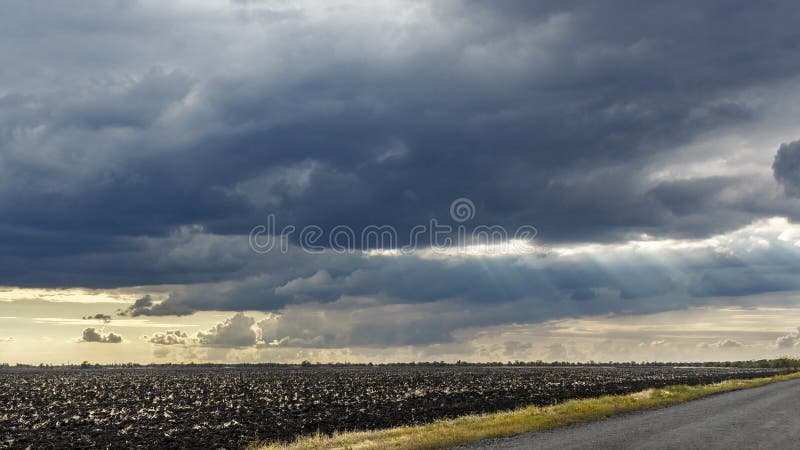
x,y
132,105
741,281
583,294
146,307
353,300
542,113
303,278
139,146
787,167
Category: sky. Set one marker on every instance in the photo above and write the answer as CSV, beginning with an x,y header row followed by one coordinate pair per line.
x,y
276,181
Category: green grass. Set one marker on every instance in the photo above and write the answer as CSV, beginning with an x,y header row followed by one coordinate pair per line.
x,y
450,432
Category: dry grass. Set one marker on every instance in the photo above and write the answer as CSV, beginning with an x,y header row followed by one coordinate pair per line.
x,y
451,432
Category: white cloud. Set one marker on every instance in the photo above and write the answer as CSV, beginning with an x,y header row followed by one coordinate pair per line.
x,y
236,331
788,341
169,337
723,344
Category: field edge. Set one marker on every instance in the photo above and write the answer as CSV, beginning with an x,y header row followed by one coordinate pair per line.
x,y
447,433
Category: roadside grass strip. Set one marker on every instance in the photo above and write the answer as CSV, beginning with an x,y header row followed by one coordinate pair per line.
x,y
447,433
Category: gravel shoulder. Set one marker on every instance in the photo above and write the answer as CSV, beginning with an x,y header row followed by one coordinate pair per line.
x,y
766,417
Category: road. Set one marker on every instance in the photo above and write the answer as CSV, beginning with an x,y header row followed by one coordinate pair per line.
x,y
767,417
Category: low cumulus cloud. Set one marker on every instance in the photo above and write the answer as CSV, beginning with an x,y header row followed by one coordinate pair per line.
x,y
788,341
723,344
407,330
516,349
568,351
237,331
658,343
103,317
95,335
169,337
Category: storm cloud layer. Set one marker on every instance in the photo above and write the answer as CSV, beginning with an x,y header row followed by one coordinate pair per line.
x,y
141,142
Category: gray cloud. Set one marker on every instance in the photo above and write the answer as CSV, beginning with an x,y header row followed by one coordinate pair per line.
x,y
583,294
516,349
237,331
146,143
787,167
94,335
724,344
789,341
169,337
104,317
342,300
143,157
145,306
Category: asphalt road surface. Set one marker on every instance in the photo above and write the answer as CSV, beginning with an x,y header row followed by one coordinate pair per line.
x,y
767,417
